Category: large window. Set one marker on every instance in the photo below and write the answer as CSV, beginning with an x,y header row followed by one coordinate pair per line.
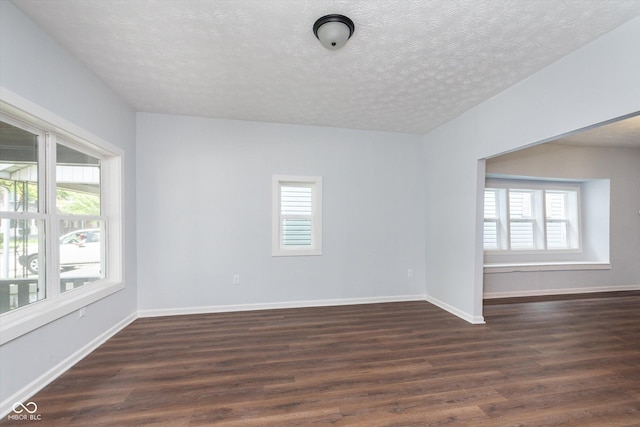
x,y
22,223
522,215
60,222
297,215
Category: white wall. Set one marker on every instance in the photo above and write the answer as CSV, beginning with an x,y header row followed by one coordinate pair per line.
x,y
35,68
204,203
599,82
621,166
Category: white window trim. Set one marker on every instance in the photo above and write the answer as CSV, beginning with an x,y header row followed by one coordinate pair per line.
x,y
316,247
21,321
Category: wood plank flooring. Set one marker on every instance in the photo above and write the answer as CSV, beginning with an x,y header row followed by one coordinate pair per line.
x,y
566,362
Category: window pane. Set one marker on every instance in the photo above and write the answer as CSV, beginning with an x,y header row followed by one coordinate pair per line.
x,y
296,207
557,235
297,216
77,182
296,232
81,253
490,235
520,204
18,169
21,255
490,204
521,235
295,200
556,204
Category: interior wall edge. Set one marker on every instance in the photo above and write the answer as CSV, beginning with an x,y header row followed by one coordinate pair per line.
x,y
474,320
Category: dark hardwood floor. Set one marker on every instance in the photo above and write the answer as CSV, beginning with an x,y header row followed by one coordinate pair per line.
x,y
565,362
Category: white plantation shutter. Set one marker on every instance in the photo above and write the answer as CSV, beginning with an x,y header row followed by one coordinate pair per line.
x,y
556,204
520,204
490,219
490,234
557,220
296,215
522,222
523,215
521,233
557,235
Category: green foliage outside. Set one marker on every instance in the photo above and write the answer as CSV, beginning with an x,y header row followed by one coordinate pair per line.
x,y
23,194
25,199
77,203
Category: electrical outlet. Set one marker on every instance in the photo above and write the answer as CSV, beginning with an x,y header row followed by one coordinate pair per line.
x,y
82,312
236,279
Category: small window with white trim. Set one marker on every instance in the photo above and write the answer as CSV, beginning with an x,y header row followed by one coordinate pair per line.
x,y
297,215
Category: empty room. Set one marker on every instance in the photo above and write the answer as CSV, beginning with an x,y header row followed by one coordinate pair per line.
x,y
308,212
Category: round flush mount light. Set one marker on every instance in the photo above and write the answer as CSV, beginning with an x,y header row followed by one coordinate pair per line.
x,y
333,31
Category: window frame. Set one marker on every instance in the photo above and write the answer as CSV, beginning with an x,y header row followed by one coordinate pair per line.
x,y
540,219
313,182
29,116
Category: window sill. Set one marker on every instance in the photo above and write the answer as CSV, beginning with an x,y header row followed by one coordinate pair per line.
x,y
31,317
296,252
545,266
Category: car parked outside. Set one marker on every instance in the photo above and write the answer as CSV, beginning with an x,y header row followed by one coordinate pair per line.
x,y
76,248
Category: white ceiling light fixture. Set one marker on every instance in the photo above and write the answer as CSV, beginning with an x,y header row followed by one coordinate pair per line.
x,y
333,31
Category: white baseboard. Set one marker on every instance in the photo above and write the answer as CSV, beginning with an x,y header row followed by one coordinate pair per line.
x,y
276,305
39,383
474,320
565,291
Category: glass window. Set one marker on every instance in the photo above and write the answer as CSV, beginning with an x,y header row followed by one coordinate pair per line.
x,y
78,203
522,220
22,244
297,217
76,217
18,169
557,219
22,231
77,182
61,220
491,238
81,253
540,216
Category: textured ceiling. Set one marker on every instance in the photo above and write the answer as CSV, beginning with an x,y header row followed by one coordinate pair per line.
x,y
410,65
